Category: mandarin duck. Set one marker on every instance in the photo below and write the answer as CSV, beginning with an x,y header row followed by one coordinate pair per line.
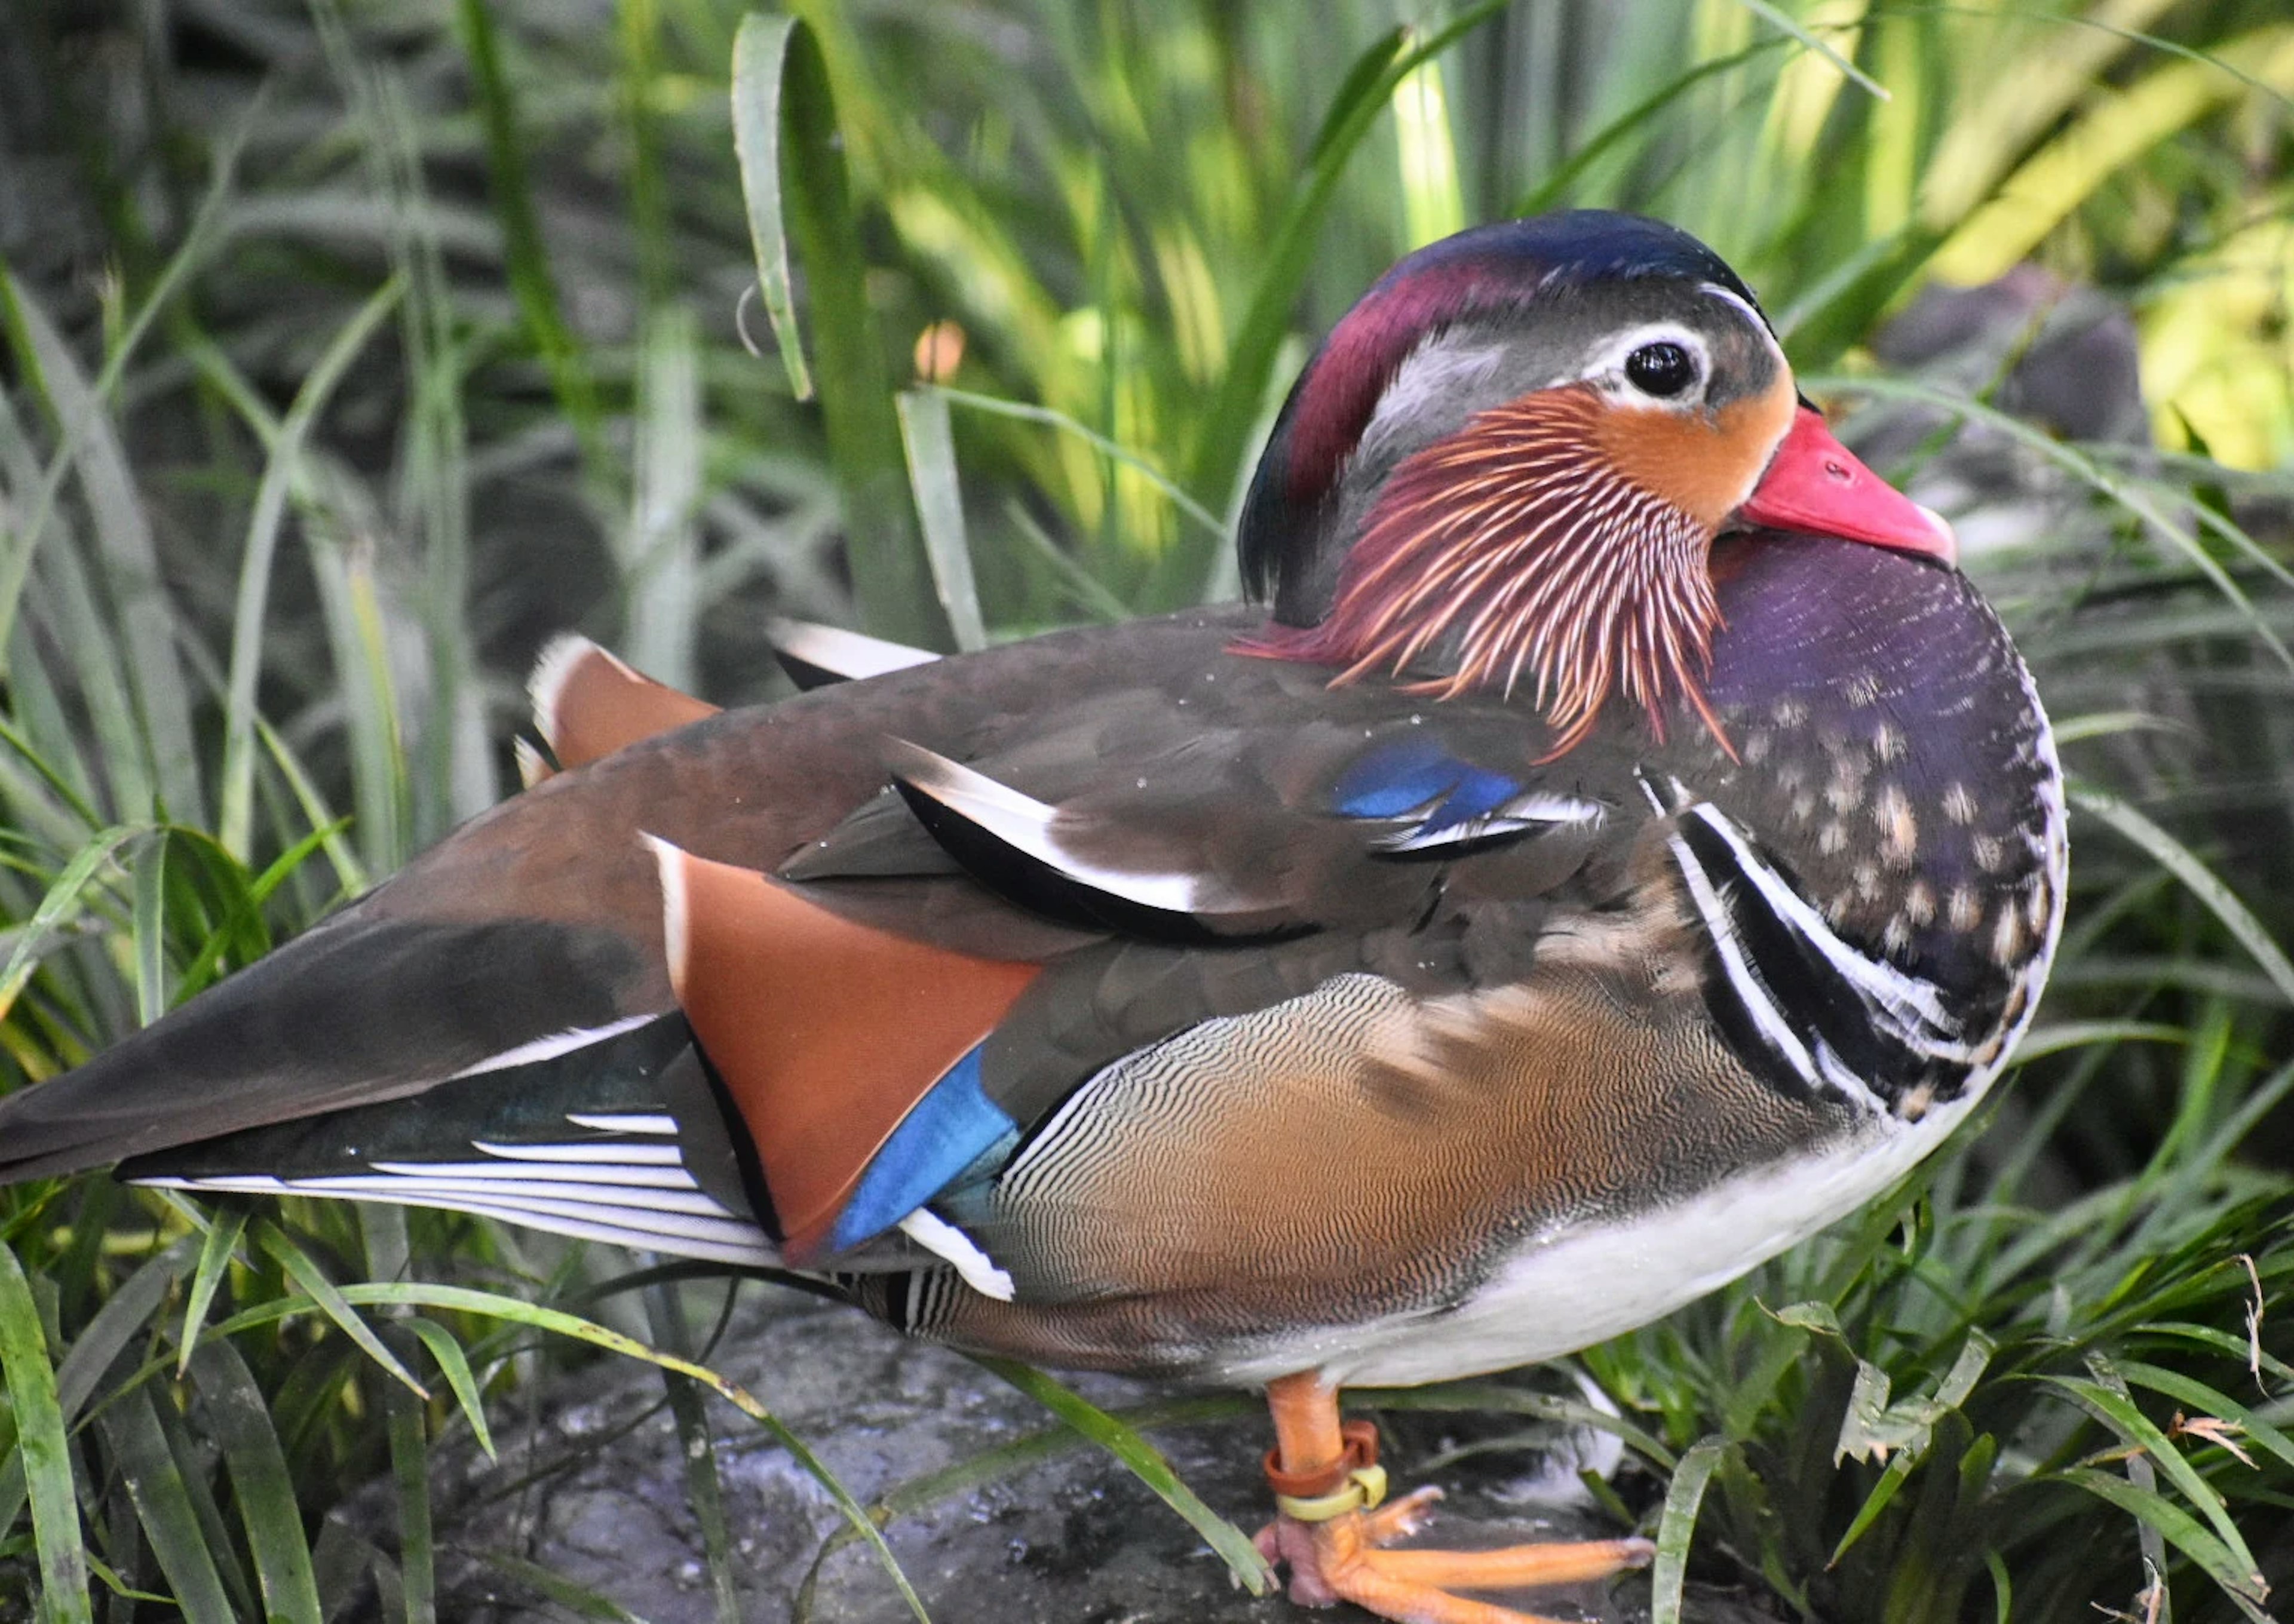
x,y
1623,844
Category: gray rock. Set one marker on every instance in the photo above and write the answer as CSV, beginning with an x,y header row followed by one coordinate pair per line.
x,y
594,1491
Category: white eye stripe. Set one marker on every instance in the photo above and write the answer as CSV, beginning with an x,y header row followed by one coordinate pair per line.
x,y
1606,366
1753,319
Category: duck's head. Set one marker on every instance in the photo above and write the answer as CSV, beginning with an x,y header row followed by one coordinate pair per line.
x,y
1506,467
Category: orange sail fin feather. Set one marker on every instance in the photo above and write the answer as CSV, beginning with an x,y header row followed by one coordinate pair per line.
x,y
825,1032
587,704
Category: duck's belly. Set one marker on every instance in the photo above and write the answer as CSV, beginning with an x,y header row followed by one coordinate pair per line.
x,y
1559,1293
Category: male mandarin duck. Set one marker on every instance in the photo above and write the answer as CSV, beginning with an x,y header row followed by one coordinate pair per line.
x,y
1625,845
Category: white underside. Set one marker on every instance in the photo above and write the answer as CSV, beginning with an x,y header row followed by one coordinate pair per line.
x,y
1559,1293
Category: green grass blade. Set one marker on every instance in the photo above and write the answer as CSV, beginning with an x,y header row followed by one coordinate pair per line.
x,y
933,477
2121,1415
149,941
779,65
298,1267
2059,1037
409,1464
1228,416
40,1440
248,620
144,621
123,1317
1777,18
660,555
556,1588
1433,202
527,256
1143,1461
19,544
2171,854
195,1466
163,1506
1211,523
2208,1401
758,51
325,828
63,903
2179,1529
1636,120
241,1425
216,1251
1882,1493
350,599
455,1367
1677,1528
556,1322
705,1490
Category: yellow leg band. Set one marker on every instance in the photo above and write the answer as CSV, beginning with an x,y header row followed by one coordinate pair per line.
x,y
1363,1490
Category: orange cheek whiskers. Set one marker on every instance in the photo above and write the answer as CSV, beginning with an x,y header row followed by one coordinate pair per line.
x,y
1533,558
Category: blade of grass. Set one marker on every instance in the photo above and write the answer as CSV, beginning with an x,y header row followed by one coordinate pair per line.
x,y
579,1600
463,1299
149,939
163,1506
757,88
241,1424
2120,1414
216,1252
1776,17
1143,1461
1211,523
297,1265
455,1367
1549,192
705,1491
1224,427
2208,1401
661,559
199,239
1677,1526
61,904
144,629
777,65
31,1383
249,619
527,256
2179,1529
1432,204
410,1472
2171,854
930,449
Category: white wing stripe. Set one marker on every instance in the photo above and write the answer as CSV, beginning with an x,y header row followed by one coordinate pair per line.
x,y
1750,988
1915,1005
625,1121
545,1189
715,1240
587,1172
555,1043
636,1156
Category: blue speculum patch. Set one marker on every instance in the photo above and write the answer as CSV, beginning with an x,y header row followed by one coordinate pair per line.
x,y
1418,775
954,1127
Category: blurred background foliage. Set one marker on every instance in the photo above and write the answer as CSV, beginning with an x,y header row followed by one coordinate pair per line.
x,y
349,348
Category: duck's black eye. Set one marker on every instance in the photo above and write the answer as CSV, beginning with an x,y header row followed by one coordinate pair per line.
x,y
1663,368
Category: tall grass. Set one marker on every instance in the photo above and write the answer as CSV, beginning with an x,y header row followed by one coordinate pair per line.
x,y
347,351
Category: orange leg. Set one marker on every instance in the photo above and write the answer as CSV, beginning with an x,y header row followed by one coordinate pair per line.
x,y
1337,1557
